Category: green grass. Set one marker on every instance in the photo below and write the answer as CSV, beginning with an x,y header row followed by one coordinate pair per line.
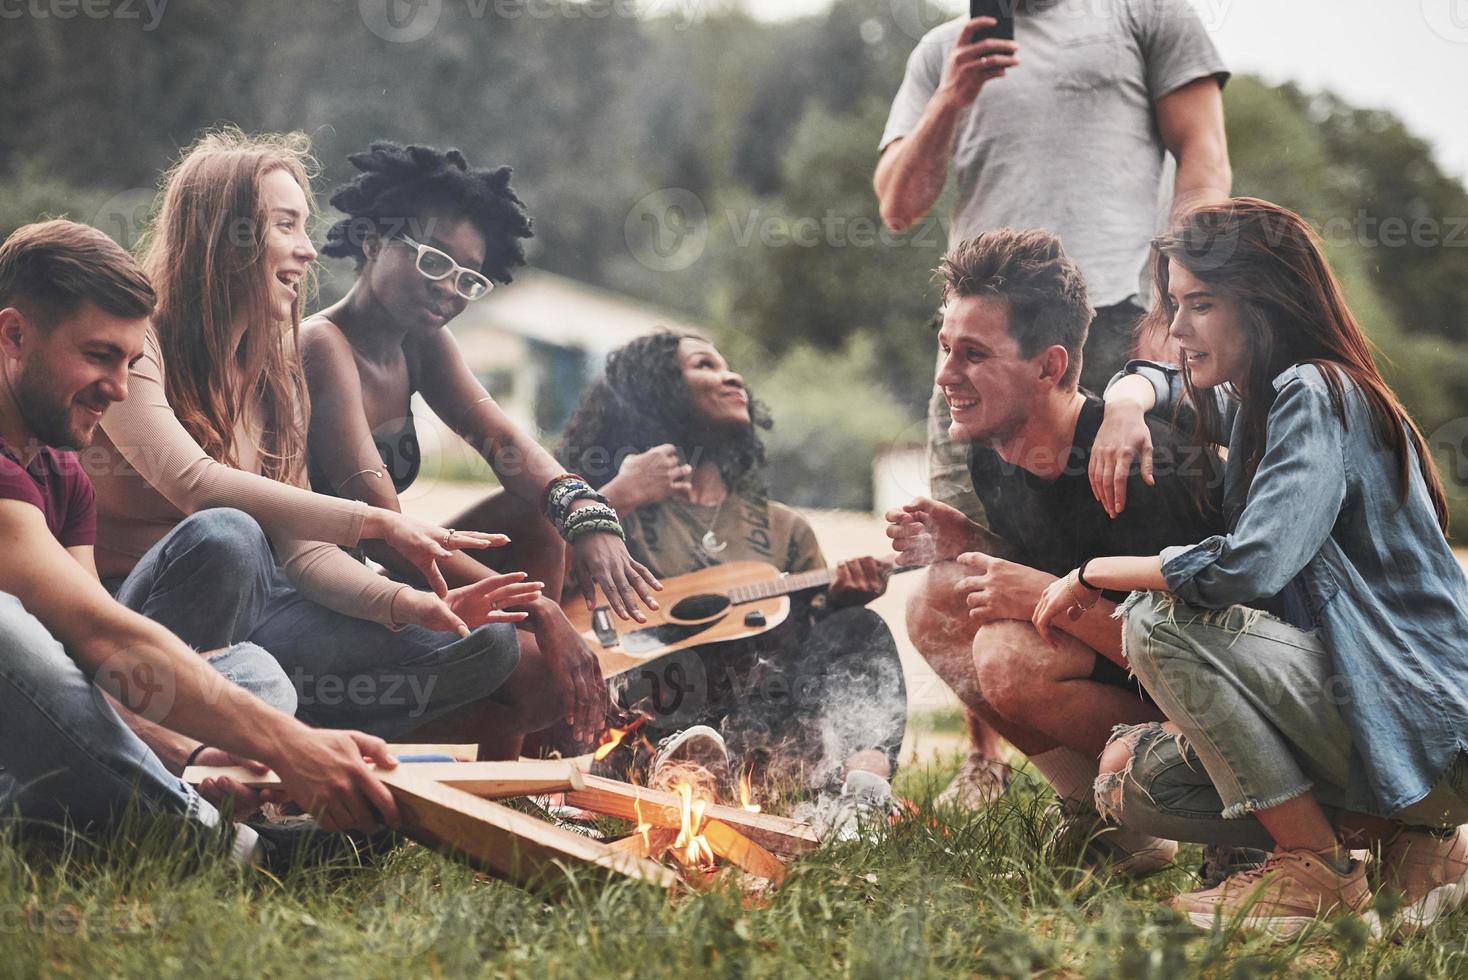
x,y
979,896
945,720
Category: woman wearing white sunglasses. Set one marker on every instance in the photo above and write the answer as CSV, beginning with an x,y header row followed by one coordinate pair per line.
x,y
430,235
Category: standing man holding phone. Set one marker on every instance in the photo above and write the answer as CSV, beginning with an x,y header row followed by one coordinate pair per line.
x,y
1065,127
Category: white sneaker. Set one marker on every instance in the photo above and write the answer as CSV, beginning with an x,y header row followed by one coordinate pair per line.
x,y
697,756
865,806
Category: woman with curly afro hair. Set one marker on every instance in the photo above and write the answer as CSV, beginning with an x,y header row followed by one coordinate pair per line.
x,y
670,435
430,234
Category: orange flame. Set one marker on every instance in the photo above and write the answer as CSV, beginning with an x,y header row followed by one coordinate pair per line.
x,y
696,850
746,796
642,825
612,737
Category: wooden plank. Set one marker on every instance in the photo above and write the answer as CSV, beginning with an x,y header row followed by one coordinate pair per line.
x,y
468,752
658,840
490,780
502,841
781,835
733,846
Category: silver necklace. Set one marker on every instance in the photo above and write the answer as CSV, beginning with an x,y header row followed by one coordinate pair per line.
x,y
710,542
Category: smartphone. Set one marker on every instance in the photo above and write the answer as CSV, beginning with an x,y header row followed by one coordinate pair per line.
x,y
1000,10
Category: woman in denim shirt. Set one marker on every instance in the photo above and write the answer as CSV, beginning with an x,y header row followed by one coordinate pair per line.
x,y
1313,662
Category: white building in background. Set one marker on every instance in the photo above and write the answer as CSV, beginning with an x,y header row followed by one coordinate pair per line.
x,y
535,345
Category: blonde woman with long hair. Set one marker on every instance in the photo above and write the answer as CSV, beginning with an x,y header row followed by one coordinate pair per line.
x,y
217,418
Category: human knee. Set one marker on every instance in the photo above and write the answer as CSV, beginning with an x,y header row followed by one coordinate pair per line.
x,y
1114,768
935,622
854,627
1004,662
26,646
1149,627
252,669
225,538
1119,752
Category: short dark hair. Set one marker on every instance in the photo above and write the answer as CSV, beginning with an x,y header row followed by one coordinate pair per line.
x,y
50,268
1030,271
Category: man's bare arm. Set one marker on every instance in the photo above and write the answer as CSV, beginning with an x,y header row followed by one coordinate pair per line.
x,y
169,746
142,664
1190,120
156,675
911,170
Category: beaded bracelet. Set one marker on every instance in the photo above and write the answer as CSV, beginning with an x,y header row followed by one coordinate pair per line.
x,y
598,515
565,493
593,510
561,485
594,526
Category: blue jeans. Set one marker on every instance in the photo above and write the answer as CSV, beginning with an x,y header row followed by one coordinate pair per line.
x,y
67,755
1259,709
214,581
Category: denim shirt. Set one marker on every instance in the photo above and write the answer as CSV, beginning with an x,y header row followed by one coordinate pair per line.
x,y
1325,515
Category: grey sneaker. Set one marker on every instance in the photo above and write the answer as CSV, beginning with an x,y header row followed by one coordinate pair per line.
x,y
979,782
697,756
1082,834
1220,863
866,805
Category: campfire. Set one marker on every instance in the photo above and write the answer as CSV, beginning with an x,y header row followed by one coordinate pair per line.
x,y
678,838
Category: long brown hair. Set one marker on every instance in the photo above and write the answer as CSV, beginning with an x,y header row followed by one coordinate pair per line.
x,y
1293,311
203,253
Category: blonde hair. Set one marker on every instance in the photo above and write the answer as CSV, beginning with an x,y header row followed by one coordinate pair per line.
x,y
203,252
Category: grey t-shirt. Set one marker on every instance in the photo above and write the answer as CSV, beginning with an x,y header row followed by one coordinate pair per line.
x,y
1068,140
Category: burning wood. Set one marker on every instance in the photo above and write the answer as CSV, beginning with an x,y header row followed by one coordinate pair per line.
x,y
494,838
745,795
613,737
704,831
780,835
695,850
447,806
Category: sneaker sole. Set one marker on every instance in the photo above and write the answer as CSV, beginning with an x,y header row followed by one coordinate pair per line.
x,y
1423,914
1281,928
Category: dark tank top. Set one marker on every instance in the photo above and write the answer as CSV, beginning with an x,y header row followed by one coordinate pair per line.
x,y
397,444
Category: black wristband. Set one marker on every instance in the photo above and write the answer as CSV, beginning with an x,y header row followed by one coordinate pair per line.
x,y
1081,577
194,754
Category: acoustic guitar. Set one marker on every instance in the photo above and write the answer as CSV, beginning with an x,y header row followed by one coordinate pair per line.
x,y
712,605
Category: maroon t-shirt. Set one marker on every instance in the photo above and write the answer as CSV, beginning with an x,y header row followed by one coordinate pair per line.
x,y
55,483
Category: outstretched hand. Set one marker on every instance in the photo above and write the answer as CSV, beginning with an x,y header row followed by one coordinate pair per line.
x,y
424,544
927,531
602,559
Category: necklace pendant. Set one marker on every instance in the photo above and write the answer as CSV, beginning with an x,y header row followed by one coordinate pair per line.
x,y
711,543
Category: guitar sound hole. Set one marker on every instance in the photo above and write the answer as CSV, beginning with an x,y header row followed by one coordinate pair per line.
x,y
697,607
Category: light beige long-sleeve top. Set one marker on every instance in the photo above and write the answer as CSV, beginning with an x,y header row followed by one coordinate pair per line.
x,y
150,473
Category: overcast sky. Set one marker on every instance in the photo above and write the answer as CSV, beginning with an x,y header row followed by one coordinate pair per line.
x,y
1410,56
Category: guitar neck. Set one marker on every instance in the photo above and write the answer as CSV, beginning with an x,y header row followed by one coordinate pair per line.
x,y
792,582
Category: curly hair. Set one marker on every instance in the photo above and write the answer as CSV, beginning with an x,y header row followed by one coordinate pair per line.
x,y
399,182
642,401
